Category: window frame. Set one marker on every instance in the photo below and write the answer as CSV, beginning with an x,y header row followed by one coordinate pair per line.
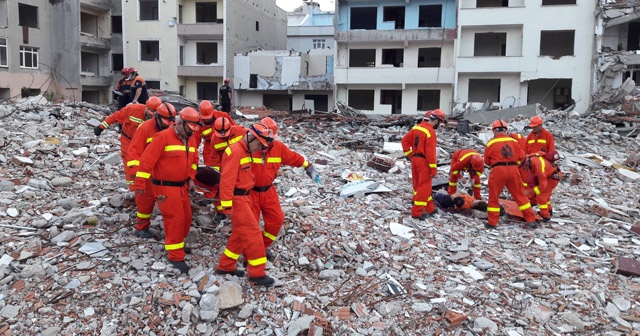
x,y
24,52
6,52
319,42
140,51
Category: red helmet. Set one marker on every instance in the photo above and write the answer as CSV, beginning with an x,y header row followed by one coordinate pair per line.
x,y
125,71
499,124
226,80
166,110
437,114
206,110
477,163
153,103
271,124
552,156
262,133
535,121
191,117
132,70
222,126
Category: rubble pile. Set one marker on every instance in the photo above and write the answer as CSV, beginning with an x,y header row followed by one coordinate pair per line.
x,y
356,265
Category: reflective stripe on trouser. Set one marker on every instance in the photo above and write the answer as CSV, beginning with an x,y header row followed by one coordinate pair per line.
x,y
508,176
421,176
176,218
124,147
144,203
269,204
245,239
544,199
453,184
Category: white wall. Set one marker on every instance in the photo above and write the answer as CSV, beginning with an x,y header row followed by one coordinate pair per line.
x,y
509,86
514,39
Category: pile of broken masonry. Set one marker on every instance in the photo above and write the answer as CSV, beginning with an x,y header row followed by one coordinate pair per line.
x,y
358,265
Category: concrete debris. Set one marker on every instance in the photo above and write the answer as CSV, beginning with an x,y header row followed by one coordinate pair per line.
x,y
69,263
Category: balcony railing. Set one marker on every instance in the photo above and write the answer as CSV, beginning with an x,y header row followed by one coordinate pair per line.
x,y
201,30
200,70
426,34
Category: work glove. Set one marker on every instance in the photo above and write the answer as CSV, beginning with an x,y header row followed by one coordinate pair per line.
x,y
408,158
313,173
97,130
227,211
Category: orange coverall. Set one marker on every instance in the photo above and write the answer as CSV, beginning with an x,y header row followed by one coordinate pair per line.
x,y
236,182
419,144
542,177
206,134
236,133
130,117
461,162
264,196
171,162
144,201
503,154
543,143
522,141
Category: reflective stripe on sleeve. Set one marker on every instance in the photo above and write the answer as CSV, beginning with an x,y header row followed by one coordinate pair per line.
x,y
143,175
491,209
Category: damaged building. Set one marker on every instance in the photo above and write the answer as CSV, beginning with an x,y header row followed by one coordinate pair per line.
x,y
61,49
504,60
285,80
395,57
617,67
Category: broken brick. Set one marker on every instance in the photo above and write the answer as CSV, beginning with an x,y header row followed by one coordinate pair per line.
x,y
628,267
343,313
454,318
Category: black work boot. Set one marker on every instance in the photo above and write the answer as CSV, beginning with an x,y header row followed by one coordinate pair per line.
x,y
424,216
270,255
235,272
531,225
181,265
266,281
219,217
143,233
489,227
187,250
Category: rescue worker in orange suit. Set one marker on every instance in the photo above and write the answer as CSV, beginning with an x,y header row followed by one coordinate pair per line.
x,y
522,141
225,133
539,140
170,161
503,154
208,115
236,184
123,88
130,117
419,145
264,197
138,93
541,176
164,116
466,160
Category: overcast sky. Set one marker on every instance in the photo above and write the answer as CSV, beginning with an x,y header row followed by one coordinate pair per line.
x,y
290,5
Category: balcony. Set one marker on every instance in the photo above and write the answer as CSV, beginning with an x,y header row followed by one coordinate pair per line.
x,y
98,5
201,70
490,64
391,75
201,30
91,42
426,34
90,79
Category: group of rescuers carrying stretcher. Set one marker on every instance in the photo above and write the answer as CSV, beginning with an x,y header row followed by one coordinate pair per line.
x,y
159,148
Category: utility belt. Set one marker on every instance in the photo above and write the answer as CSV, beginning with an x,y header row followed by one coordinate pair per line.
x,y
262,189
419,155
241,192
165,183
504,164
125,135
